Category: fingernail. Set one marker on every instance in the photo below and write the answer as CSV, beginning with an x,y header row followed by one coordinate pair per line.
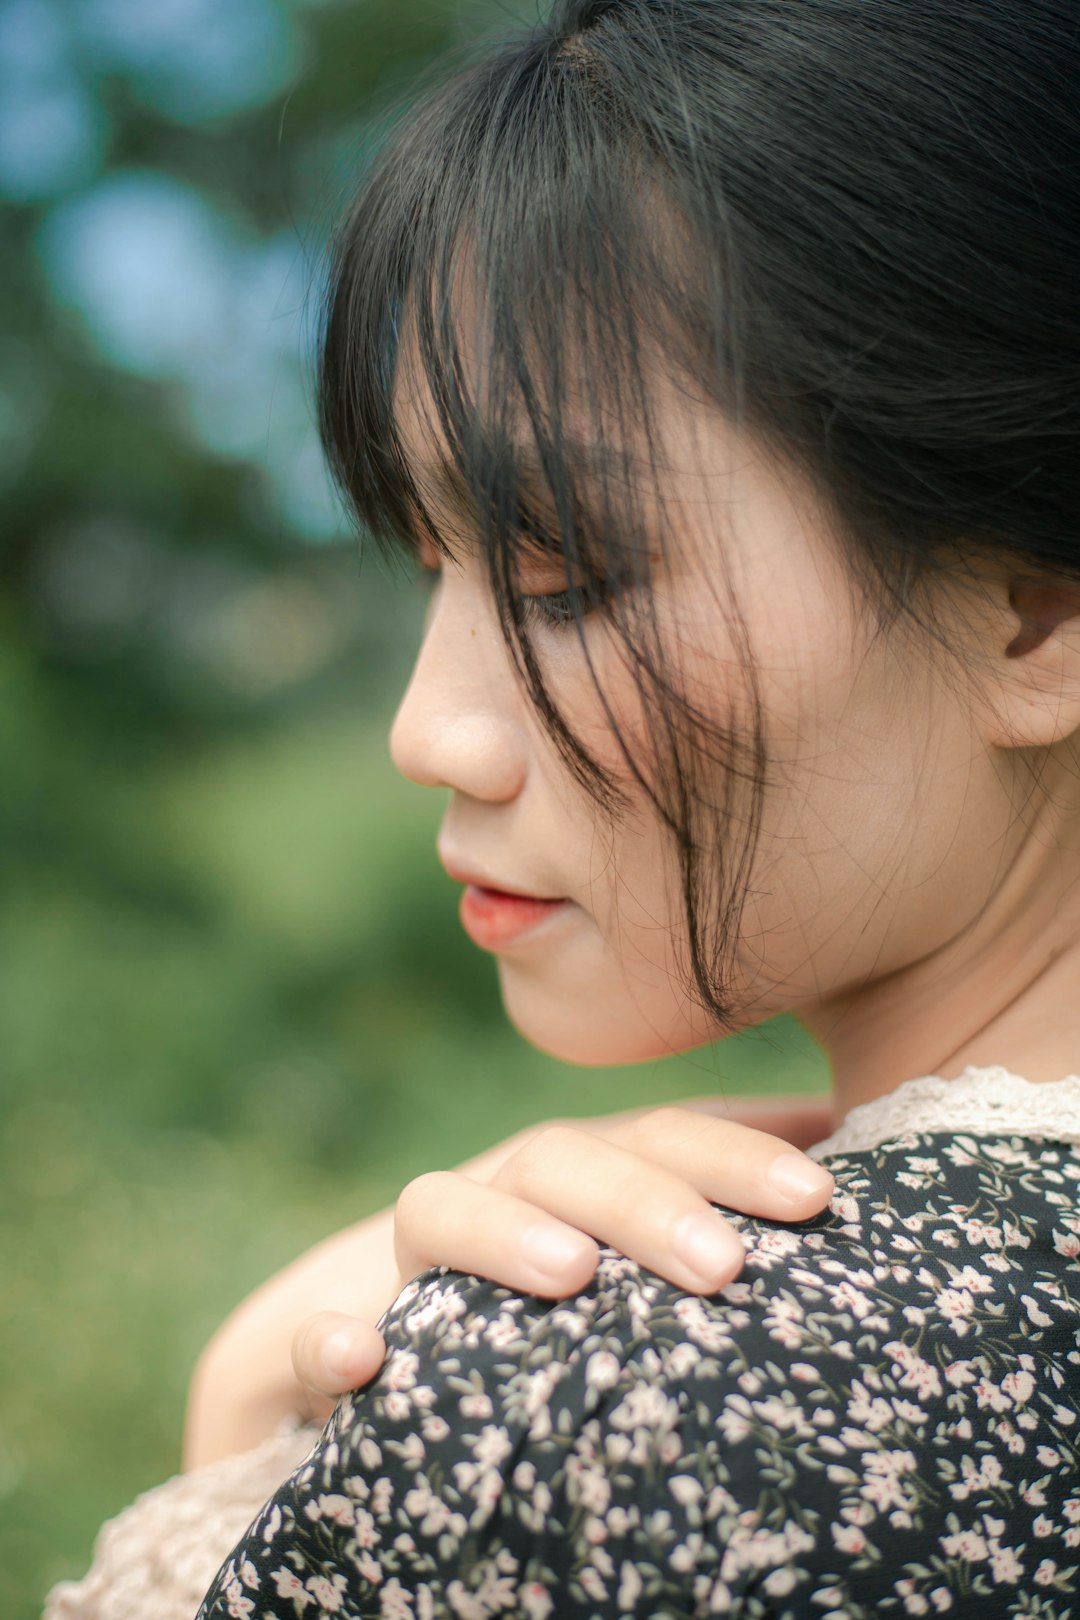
x,y
797,1177
551,1250
337,1353
708,1245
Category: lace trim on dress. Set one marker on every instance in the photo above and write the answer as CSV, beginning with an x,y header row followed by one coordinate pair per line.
x,y
982,1101
157,1558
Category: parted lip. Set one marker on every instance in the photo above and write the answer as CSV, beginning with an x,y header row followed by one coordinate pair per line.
x,y
461,873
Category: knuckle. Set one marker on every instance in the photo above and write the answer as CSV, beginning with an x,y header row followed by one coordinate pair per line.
x,y
668,1124
727,1135
319,1322
553,1141
423,1194
676,1121
301,1348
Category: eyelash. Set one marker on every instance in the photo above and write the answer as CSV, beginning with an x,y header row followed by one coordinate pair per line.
x,y
555,609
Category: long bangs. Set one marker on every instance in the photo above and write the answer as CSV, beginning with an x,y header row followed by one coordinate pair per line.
x,y
849,227
523,264
518,293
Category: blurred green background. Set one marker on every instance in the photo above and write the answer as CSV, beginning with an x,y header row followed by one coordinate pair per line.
x,y
236,1007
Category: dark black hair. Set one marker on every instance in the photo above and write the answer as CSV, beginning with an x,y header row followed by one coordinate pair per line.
x,y
853,225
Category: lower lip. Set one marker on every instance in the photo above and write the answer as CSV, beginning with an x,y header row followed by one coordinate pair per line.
x,y
492,918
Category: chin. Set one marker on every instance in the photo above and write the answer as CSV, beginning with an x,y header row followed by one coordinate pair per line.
x,y
594,1026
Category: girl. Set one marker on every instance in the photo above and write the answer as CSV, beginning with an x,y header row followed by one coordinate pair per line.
x,y
721,360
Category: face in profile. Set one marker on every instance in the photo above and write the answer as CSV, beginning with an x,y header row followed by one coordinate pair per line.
x,y
874,825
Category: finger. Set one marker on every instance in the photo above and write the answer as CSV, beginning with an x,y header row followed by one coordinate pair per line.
x,y
751,1170
445,1218
332,1353
798,1121
658,1215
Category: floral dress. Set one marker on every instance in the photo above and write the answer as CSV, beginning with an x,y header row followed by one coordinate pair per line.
x,y
879,1416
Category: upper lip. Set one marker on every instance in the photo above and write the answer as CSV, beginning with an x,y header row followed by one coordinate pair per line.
x,y
484,880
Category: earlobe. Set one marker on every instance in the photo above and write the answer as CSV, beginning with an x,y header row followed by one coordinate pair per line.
x,y
1039,701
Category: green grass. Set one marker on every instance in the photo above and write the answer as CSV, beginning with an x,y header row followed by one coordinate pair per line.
x,y
256,1030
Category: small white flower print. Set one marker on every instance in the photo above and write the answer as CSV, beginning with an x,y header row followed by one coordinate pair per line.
x,y
879,1344
289,1585
328,1591
602,1370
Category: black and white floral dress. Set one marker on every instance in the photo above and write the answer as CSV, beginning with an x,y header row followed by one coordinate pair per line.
x,y
879,1416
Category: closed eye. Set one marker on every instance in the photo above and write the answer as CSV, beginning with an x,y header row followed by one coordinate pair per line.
x,y
556,609
550,609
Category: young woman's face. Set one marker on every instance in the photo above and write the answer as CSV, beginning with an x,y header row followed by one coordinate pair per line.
x,y
883,819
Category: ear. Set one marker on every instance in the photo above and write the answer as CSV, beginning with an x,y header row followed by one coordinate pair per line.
x,y
1038,662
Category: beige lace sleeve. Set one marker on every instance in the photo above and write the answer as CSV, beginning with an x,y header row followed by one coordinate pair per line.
x,y
157,1558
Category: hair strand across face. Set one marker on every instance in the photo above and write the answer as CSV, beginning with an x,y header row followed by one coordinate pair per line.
x,y
853,227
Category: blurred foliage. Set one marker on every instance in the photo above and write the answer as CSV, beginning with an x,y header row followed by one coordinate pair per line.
x,y
236,1008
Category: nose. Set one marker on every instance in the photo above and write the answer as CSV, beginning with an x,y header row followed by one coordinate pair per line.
x,y
458,724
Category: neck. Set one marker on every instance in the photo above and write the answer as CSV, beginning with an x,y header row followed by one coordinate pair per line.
x,y
1003,990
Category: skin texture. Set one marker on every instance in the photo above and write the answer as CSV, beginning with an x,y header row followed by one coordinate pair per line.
x,y
478,1218
914,896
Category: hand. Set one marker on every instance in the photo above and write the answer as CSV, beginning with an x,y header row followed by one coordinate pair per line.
x,y
640,1181
475,1218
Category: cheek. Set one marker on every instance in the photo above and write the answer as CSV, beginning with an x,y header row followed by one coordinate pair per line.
x,y
638,907
632,876
622,866
873,835
631,865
